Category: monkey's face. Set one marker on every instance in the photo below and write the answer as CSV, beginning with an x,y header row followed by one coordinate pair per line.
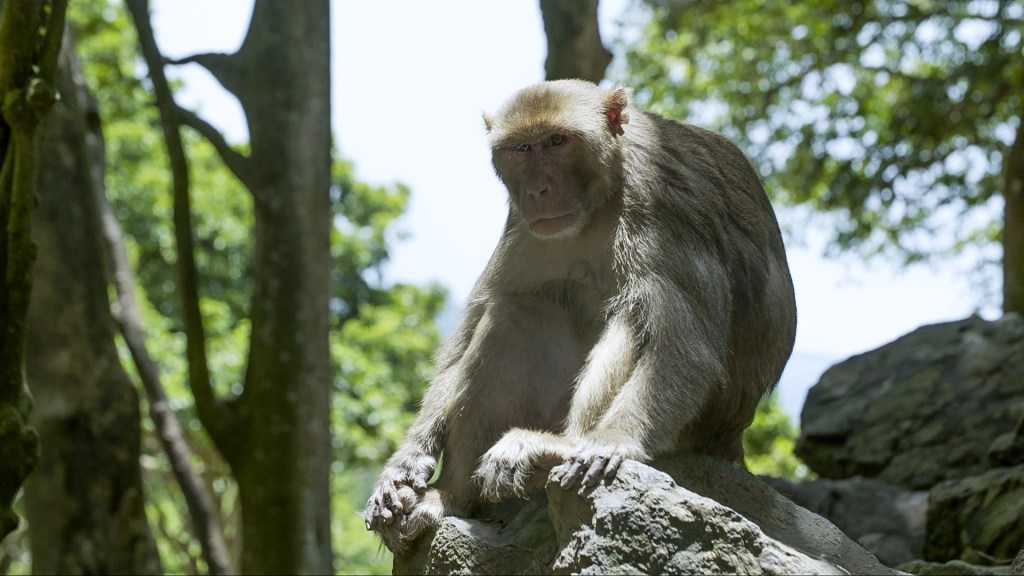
x,y
545,185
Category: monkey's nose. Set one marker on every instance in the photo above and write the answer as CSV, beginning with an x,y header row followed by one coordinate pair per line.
x,y
537,193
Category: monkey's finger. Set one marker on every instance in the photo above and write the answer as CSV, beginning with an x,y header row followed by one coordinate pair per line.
x,y
419,484
390,508
572,473
614,462
594,473
376,516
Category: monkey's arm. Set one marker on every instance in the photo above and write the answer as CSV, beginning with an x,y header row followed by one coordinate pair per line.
x,y
653,371
404,478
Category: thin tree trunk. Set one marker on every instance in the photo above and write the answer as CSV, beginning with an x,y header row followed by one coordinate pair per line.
x,y
84,502
574,40
1013,228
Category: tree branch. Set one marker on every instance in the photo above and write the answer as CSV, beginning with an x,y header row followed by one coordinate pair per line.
x,y
237,162
222,66
209,410
168,430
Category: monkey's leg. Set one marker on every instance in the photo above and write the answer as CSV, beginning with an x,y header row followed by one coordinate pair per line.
x,y
532,359
516,371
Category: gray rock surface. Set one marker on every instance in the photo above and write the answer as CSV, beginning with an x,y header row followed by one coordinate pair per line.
x,y
700,515
920,410
887,520
952,568
978,517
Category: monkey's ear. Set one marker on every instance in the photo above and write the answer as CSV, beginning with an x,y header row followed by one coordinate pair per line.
x,y
488,122
615,108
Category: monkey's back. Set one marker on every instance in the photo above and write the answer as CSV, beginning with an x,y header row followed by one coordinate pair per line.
x,y
713,225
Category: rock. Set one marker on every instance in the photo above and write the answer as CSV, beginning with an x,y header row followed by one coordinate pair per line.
x,y
919,410
517,539
887,520
1008,449
643,521
981,516
952,568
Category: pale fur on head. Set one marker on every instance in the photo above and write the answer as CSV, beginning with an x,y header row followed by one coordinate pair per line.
x,y
575,107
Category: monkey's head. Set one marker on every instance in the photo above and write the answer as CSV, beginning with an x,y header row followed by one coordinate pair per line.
x,y
556,147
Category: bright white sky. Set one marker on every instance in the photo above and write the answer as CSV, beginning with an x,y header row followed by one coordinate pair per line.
x,y
411,79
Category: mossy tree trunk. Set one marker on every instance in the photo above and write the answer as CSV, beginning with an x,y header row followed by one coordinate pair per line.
x,y
30,38
84,502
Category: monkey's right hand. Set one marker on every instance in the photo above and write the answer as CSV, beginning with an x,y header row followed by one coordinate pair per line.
x,y
398,489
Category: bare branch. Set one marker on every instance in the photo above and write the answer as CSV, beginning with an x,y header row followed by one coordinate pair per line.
x,y
193,59
223,67
237,162
207,406
168,430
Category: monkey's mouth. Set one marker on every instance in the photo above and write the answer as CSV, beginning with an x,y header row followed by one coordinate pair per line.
x,y
554,225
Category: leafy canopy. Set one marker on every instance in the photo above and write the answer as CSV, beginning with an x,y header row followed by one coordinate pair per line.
x,y
894,115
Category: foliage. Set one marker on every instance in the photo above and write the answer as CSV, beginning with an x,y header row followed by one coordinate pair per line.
x,y
769,443
894,115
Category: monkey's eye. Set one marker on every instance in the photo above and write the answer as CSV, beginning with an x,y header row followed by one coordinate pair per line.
x,y
522,148
556,140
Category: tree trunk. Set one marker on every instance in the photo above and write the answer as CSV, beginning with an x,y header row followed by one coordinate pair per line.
x,y
574,40
1013,228
276,434
283,474
30,40
84,502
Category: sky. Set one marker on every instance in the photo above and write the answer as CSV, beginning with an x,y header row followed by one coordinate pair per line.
x,y
410,82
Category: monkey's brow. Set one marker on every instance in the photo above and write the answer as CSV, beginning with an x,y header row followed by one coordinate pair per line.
x,y
531,135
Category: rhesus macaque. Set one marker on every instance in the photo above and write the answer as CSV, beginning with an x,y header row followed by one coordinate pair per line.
x,y
638,304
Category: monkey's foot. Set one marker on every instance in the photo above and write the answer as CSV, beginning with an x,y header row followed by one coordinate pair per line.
x,y
594,458
422,516
398,490
511,465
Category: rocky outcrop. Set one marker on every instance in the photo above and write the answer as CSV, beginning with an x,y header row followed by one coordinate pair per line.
x,y
887,520
923,409
941,409
953,568
980,516
692,514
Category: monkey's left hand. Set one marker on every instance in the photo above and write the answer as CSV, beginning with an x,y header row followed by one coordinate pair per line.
x,y
597,455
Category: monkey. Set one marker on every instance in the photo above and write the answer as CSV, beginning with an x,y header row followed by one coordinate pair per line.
x,y
639,304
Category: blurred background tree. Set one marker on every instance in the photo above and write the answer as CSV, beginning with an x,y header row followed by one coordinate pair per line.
x,y
900,119
381,337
